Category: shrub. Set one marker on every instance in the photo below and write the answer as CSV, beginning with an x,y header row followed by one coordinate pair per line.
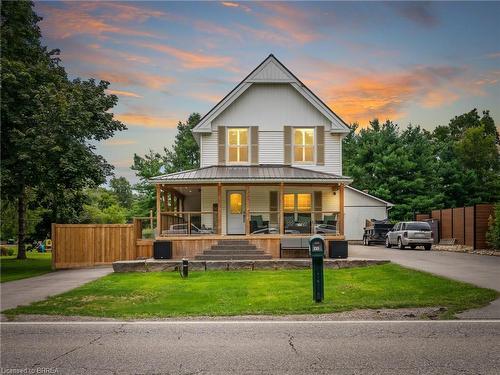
x,y
493,234
6,250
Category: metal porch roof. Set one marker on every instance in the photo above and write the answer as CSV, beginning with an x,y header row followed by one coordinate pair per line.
x,y
254,173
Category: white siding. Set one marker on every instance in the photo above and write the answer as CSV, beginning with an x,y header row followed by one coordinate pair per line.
x,y
271,147
208,149
333,156
359,208
270,107
271,72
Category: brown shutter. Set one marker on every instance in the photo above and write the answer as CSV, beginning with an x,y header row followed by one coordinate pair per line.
x,y
318,204
273,207
254,138
320,145
221,133
287,134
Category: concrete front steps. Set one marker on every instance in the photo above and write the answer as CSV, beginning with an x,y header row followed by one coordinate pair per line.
x,y
233,250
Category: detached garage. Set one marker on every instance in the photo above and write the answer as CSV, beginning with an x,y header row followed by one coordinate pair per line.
x,y
359,207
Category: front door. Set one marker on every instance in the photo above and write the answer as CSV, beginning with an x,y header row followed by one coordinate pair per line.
x,y
235,208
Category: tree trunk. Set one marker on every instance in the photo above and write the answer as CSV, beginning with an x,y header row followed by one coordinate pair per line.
x,y
21,233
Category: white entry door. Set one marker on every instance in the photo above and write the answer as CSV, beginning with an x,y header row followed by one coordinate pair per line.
x,y
235,212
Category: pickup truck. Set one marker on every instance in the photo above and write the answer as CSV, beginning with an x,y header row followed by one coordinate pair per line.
x,y
375,231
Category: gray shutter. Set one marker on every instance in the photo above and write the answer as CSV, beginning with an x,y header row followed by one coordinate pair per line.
x,y
273,206
320,145
254,139
221,133
318,204
287,136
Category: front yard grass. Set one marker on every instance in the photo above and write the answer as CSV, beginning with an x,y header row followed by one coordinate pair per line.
x,y
165,294
13,269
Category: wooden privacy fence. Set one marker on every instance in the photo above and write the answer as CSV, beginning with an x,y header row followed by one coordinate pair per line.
x,y
467,225
87,245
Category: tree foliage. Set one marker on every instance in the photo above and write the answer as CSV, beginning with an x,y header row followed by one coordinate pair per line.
x,y
183,155
417,170
48,122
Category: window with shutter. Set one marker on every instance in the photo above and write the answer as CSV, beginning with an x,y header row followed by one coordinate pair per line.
x,y
287,138
254,152
221,137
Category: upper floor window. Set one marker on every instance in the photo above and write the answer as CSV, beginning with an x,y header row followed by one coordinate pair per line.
x,y
237,145
303,145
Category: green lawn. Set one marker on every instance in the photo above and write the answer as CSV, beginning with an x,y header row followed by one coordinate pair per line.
x,y
165,294
13,269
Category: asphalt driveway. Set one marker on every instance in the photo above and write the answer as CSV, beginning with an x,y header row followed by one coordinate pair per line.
x,y
480,270
26,291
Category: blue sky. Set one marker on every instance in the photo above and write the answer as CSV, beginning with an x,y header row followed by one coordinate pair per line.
x,y
411,62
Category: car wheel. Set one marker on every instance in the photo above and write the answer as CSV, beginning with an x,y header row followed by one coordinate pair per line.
x,y
412,247
387,243
400,244
427,247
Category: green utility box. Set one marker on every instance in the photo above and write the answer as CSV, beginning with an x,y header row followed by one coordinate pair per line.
x,y
317,253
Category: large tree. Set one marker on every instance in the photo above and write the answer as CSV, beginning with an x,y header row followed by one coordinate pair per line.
x,y
184,154
468,162
393,165
48,120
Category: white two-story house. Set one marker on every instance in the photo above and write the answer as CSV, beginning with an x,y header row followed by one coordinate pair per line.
x,y
270,168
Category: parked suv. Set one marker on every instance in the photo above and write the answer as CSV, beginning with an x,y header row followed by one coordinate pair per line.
x,y
410,233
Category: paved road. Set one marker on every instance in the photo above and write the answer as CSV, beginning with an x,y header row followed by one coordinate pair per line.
x,y
481,270
425,347
26,291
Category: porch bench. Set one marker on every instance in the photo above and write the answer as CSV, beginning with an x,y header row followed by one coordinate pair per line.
x,y
294,248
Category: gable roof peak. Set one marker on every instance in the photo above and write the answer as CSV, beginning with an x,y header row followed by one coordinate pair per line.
x,y
270,70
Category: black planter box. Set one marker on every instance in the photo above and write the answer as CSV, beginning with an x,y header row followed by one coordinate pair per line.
x,y
338,249
162,250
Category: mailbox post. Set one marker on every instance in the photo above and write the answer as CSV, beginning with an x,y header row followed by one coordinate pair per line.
x,y
317,252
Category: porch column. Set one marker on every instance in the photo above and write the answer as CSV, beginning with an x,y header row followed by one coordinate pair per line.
x,y
247,210
341,214
158,210
219,208
282,203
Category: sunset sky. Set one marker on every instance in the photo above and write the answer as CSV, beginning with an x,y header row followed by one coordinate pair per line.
x,y
409,62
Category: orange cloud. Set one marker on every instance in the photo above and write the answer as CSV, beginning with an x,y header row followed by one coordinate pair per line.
x,y
190,60
207,97
437,98
294,23
146,120
124,93
137,78
213,28
360,95
94,18
231,4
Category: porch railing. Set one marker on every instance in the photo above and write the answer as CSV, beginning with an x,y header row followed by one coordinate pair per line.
x,y
205,223
311,222
188,223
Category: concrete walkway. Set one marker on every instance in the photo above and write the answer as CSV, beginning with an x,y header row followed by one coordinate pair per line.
x,y
26,291
480,270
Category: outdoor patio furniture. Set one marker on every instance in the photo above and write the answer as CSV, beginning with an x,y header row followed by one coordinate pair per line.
x,y
257,224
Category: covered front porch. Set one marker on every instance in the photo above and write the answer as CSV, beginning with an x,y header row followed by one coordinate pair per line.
x,y
261,204
229,210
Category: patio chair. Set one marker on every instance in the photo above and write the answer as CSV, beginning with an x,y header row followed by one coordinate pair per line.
x,y
257,223
330,219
